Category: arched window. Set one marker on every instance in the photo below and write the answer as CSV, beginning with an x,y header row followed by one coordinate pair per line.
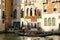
x,y
15,13
53,21
38,24
28,24
45,22
39,12
55,8
27,11
34,25
22,12
31,12
35,11
49,21
22,24
3,14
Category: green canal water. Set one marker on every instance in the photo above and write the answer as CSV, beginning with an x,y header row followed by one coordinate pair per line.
x,y
17,37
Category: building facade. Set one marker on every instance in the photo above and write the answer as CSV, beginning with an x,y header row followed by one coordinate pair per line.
x,y
40,13
51,14
5,14
2,15
16,13
8,12
31,12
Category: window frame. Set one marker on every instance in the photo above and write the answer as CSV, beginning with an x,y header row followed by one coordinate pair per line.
x,y
27,10
53,21
31,12
49,21
45,8
55,6
45,22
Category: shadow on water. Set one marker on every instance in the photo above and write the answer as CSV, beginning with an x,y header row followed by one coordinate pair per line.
x,y
16,37
10,37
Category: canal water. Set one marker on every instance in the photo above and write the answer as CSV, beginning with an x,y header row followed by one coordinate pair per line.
x,y
17,37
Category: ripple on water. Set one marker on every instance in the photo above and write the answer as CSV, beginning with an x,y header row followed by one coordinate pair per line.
x,y
16,37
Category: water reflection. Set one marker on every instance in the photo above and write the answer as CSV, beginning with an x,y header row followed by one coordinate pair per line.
x,y
16,37
10,37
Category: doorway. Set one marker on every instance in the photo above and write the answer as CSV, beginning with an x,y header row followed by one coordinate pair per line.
x,y
16,24
33,25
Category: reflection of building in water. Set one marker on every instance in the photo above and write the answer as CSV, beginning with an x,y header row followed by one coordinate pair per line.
x,y
32,38
40,13
41,38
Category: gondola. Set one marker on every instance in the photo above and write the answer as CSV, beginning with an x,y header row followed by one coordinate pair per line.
x,y
35,35
41,34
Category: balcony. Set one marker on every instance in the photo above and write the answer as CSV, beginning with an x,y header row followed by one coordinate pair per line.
x,y
29,3
28,17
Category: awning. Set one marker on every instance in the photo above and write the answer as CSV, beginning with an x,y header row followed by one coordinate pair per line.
x,y
33,19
